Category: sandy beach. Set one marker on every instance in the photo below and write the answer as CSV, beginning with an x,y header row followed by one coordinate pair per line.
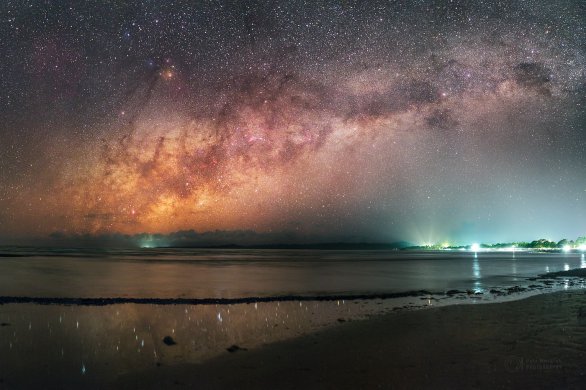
x,y
538,342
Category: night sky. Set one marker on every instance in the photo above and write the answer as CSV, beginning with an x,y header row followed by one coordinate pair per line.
x,y
305,120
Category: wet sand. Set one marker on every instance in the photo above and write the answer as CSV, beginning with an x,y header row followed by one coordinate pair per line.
x,y
538,342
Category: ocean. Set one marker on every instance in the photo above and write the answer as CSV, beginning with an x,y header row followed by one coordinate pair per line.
x,y
215,299
237,273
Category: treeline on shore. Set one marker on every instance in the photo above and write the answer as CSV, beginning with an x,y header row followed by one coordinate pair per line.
x,y
542,243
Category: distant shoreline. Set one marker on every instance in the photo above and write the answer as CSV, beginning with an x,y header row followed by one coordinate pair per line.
x,y
344,246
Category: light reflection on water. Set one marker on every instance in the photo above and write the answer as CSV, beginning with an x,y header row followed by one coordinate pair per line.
x,y
79,343
476,274
174,273
90,346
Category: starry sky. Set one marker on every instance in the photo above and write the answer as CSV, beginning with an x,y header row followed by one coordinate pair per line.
x,y
313,120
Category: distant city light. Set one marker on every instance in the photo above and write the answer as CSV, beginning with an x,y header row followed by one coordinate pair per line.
x,y
147,243
475,247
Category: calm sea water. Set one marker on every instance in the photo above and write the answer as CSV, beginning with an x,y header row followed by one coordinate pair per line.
x,y
220,273
69,346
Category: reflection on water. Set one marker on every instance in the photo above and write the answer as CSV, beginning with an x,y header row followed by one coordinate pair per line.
x,y
476,273
77,343
189,273
57,346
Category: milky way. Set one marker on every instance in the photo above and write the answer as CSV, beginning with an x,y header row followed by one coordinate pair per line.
x,y
340,120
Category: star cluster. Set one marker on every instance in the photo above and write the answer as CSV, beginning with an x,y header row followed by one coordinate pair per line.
x,y
347,120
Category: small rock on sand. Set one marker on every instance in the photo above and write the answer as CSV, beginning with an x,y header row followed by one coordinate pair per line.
x,y
168,340
235,348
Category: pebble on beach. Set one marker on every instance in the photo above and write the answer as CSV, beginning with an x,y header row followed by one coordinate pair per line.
x,y
168,340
